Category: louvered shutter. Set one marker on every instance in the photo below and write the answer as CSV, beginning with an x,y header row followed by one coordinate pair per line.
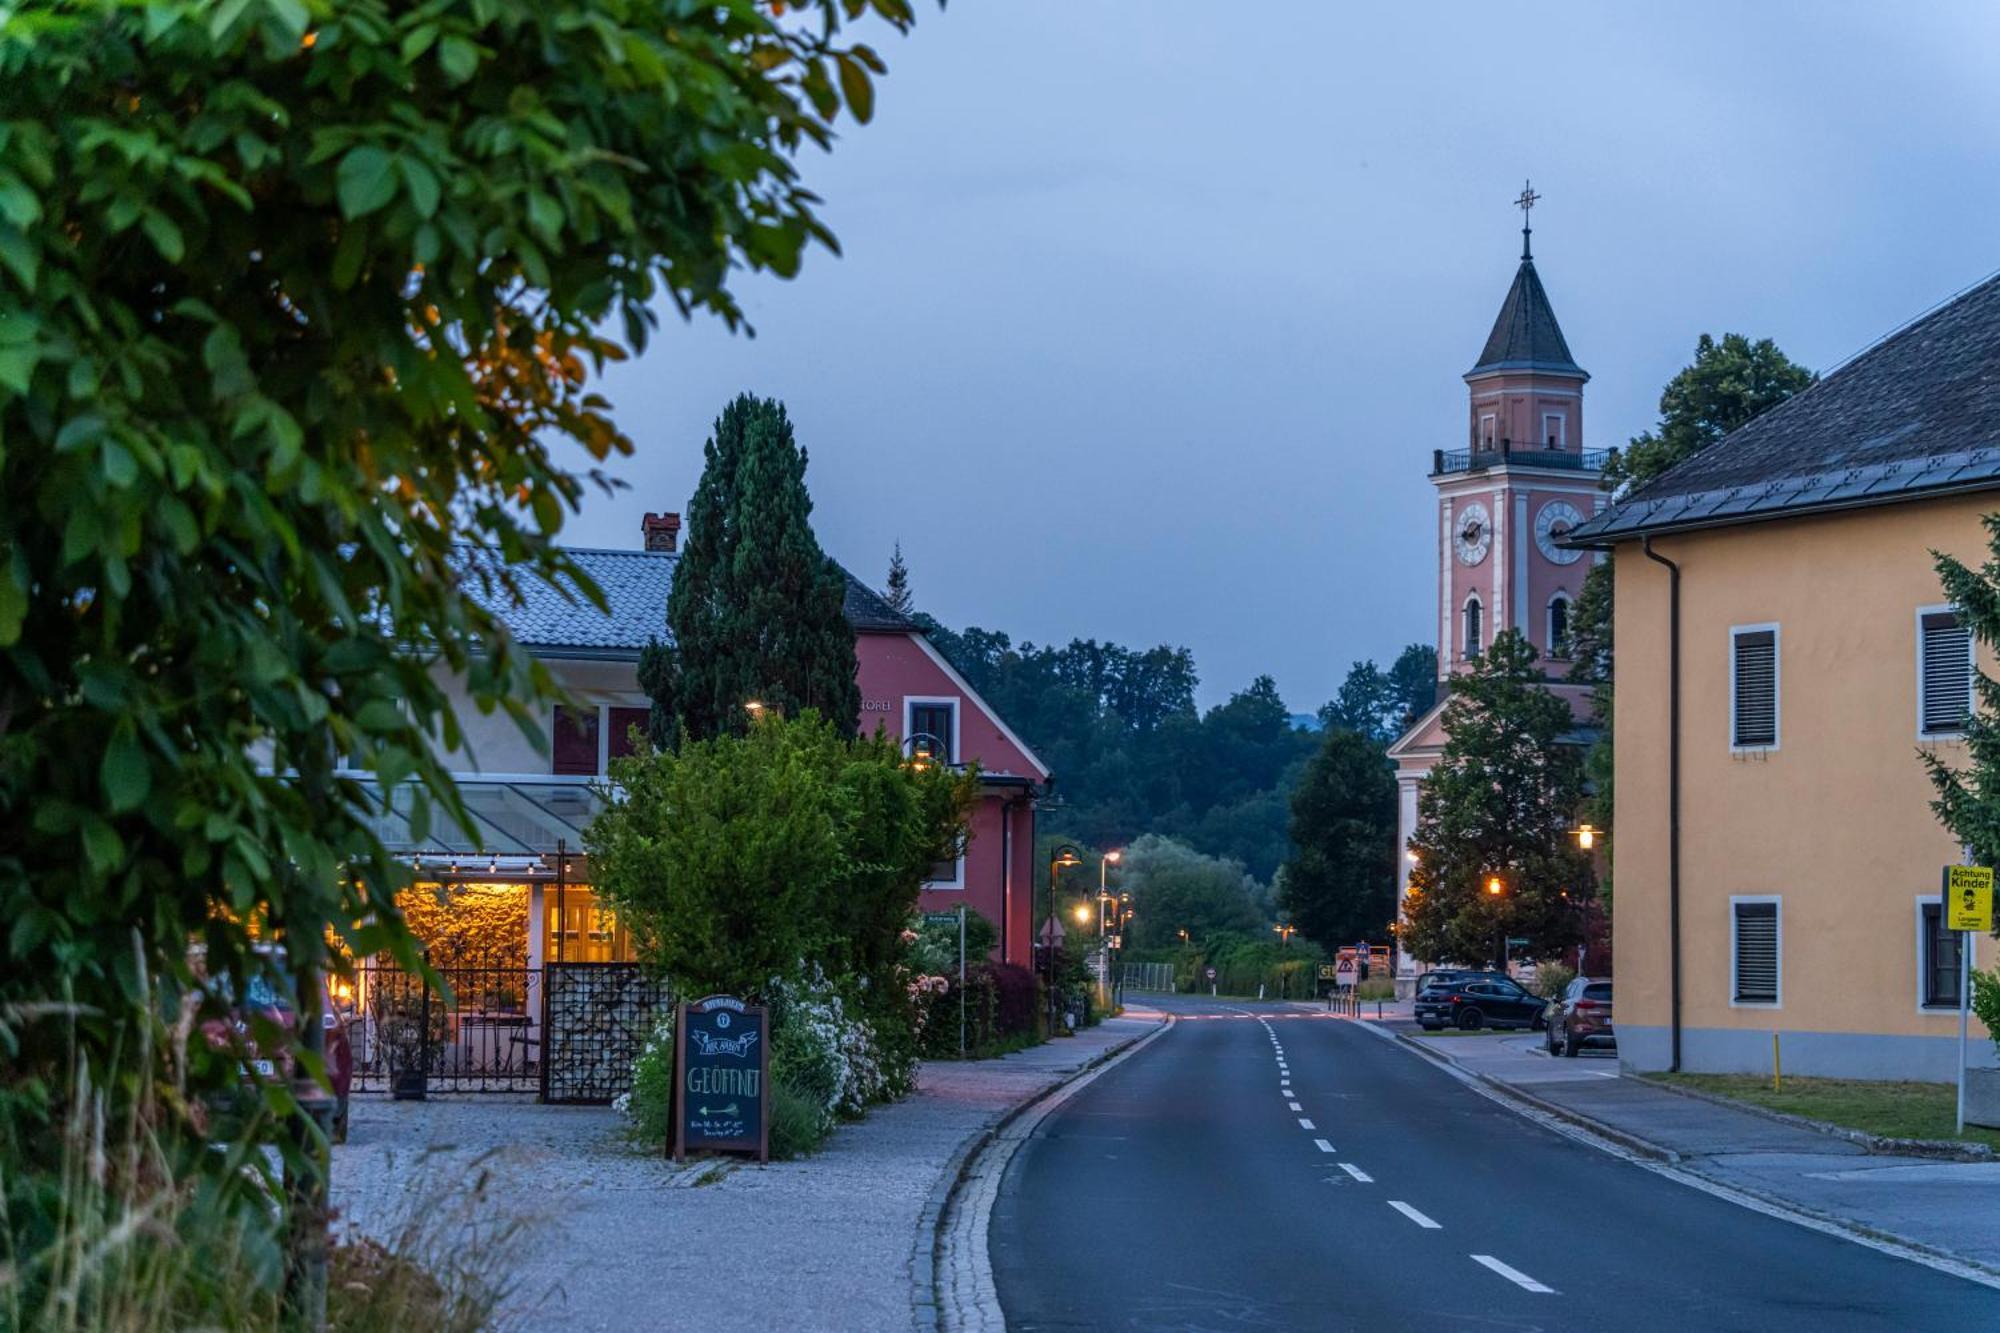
x,y
1756,684
1947,674
1756,953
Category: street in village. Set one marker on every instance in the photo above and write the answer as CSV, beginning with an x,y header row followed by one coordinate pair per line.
x,y
1212,1164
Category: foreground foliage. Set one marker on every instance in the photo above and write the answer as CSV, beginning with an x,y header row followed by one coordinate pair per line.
x,y
295,298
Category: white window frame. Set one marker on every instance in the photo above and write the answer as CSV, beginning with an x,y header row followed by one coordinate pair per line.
x,y
1777,686
1971,661
957,706
955,883
1549,622
1923,964
1466,650
1489,432
1748,899
1561,431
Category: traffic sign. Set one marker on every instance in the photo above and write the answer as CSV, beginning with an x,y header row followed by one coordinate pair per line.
x,y
940,918
1968,897
1211,974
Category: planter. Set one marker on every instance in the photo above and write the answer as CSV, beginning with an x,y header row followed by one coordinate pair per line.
x,y
1982,1097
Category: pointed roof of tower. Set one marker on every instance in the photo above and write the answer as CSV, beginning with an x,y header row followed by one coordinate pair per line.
x,y
1526,335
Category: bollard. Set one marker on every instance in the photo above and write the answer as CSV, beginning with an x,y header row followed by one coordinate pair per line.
x,y
1777,1067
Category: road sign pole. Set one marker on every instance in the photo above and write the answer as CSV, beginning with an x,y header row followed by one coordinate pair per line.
x,y
1964,998
961,981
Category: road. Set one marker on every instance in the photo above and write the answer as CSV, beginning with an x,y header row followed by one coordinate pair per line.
x,y
1261,1168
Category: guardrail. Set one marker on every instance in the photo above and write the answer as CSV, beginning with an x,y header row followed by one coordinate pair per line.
x,y
1446,461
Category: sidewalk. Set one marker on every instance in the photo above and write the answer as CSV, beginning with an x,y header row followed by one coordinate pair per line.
x,y
620,1238
1941,1206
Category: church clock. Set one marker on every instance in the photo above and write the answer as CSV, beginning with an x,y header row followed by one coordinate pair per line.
x,y
1475,534
1557,518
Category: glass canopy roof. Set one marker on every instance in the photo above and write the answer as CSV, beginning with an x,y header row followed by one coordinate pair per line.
x,y
511,816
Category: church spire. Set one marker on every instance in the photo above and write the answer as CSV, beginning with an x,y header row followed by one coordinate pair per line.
x,y
1525,336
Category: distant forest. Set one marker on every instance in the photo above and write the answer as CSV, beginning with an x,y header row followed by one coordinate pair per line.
x,y
1133,755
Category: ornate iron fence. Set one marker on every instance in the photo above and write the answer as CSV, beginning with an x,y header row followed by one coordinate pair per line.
x,y
597,1016
487,1037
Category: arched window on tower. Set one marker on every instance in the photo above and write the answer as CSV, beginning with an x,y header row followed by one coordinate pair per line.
x,y
1473,627
1559,626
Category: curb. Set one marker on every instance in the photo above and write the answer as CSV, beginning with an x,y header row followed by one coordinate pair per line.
x,y
1631,1143
1687,1170
1938,1149
930,1222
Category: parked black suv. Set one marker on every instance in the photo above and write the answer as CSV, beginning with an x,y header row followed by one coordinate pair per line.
x,y
1474,1000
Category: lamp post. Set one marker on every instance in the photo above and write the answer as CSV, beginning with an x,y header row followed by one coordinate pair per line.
x,y
1104,865
1497,888
1063,856
1285,933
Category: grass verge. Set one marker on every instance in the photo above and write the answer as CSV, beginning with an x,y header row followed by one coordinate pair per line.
x,y
1894,1110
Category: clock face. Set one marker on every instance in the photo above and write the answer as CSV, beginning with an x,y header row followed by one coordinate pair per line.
x,y
1557,518
1474,536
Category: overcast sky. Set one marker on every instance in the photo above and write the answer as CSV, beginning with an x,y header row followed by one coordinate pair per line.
x,y
1149,317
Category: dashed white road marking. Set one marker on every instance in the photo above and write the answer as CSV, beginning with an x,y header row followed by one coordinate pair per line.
x,y
1355,1171
1303,1122
1513,1275
1323,1145
1415,1216
1295,1106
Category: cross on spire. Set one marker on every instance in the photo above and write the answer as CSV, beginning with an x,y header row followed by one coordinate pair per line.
x,y
1527,200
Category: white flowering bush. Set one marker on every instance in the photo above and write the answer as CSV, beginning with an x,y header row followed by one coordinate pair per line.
x,y
648,1108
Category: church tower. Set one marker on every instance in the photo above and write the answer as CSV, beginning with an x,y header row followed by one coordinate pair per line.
x,y
1523,479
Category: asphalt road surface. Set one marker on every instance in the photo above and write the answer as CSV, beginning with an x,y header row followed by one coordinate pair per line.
x,y
1261,1168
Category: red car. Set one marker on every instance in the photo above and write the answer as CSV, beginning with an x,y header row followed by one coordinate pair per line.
x,y
262,1000
1582,1017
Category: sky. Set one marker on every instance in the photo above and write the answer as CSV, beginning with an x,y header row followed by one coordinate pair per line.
x,y
1148,318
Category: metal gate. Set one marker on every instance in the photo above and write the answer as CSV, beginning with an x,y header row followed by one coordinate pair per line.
x,y
487,1037
597,1016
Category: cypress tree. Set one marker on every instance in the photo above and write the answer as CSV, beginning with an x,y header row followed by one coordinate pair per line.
x,y
757,608
897,594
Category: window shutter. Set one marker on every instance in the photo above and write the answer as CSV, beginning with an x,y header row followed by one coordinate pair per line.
x,y
1756,953
1756,688
1947,674
574,741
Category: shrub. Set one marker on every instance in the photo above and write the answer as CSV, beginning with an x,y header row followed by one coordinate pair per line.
x,y
1376,988
648,1107
1551,979
1017,999
1986,1001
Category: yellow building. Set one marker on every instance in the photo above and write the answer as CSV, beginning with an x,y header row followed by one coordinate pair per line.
x,y
1783,661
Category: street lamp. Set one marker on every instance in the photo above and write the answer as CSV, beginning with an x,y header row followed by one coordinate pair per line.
x,y
1104,865
1083,917
1061,858
1495,887
924,750
1585,835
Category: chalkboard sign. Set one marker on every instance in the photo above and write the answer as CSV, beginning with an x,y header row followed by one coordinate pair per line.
x,y
722,1078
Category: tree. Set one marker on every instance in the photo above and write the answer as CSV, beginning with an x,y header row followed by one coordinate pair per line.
x,y
295,300
1382,704
898,592
757,608
741,859
1176,888
1499,805
1968,793
1727,385
1339,884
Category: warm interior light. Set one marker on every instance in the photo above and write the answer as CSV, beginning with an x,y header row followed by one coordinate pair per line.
x,y
1493,885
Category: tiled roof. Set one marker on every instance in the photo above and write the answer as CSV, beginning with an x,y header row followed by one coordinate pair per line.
x,y
1526,335
1917,414
558,621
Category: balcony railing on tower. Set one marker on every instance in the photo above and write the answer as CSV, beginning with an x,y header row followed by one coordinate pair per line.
x,y
1444,461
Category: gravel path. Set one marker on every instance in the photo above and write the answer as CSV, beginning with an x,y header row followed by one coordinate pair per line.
x,y
616,1238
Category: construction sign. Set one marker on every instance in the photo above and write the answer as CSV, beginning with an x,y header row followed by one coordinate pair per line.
x,y
1968,898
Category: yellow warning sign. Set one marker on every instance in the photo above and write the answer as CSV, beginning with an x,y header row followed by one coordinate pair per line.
x,y
1968,897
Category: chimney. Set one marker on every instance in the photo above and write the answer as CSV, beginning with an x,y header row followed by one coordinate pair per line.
x,y
662,531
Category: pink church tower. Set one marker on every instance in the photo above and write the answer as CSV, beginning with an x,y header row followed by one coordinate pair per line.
x,y
1522,480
